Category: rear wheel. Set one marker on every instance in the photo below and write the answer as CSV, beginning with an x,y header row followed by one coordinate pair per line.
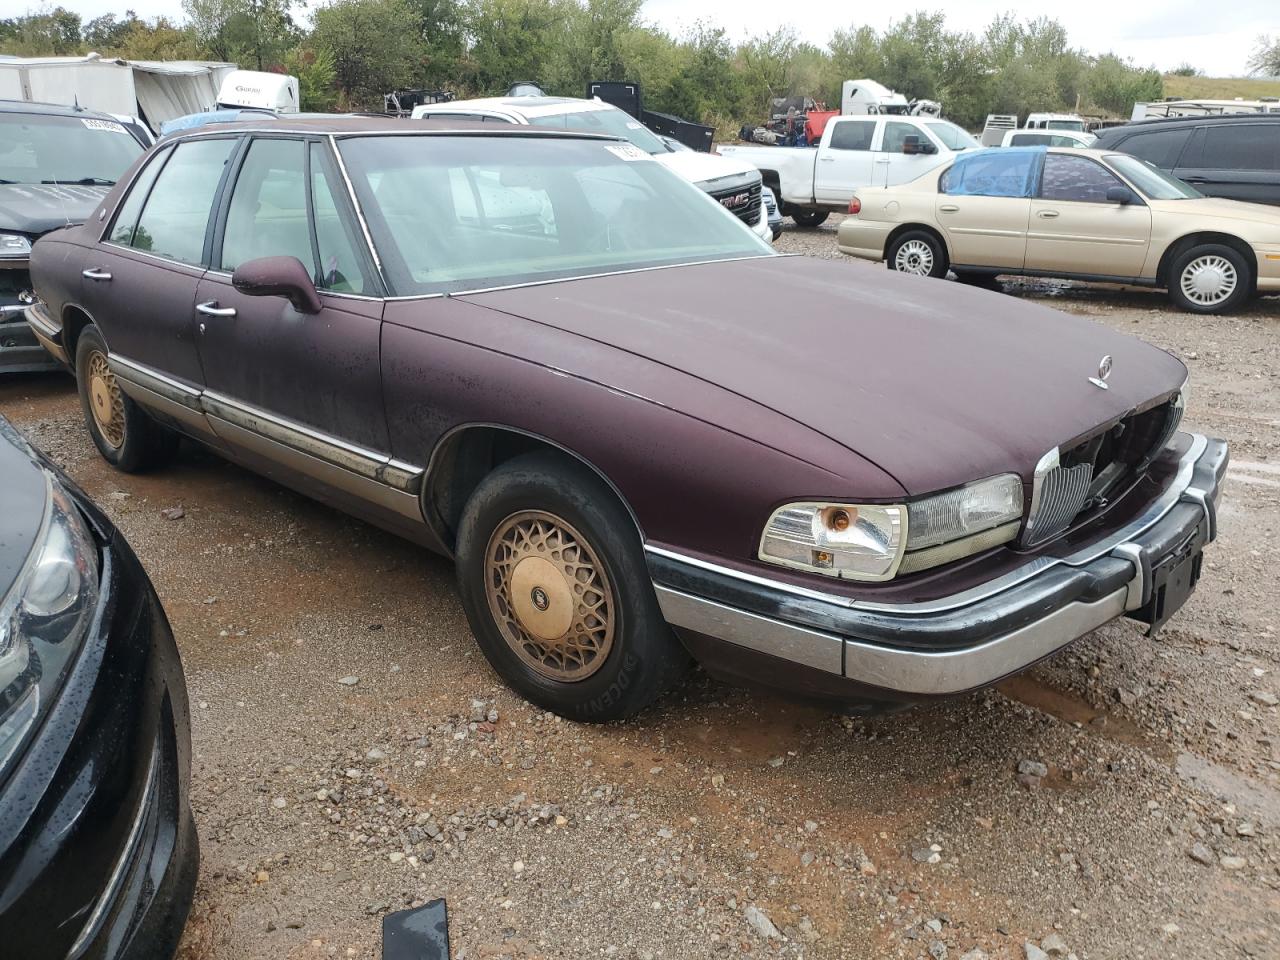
x,y
1210,278
557,593
809,218
124,434
917,253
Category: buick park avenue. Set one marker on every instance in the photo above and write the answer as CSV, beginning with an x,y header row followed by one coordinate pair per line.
x,y
548,357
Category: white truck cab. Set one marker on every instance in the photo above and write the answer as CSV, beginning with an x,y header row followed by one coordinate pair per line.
x,y
1054,121
735,183
854,152
862,97
264,91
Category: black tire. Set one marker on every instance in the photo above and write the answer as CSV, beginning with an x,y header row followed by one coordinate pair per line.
x,y
1212,259
976,278
132,442
914,259
808,218
642,657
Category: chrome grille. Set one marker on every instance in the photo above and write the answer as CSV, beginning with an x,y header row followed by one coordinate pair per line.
x,y
1059,495
742,202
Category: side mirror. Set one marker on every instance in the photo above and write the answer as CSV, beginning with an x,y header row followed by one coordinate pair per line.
x,y
1120,195
913,145
278,277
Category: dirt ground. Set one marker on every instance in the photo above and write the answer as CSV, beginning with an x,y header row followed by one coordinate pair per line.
x,y
721,816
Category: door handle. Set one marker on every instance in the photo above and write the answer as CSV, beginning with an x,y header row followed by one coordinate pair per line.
x,y
210,308
1047,214
827,159
949,208
94,273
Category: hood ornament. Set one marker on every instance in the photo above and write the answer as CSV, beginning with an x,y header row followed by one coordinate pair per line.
x,y
1104,371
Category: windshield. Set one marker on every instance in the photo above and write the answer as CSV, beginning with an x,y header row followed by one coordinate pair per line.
x,y
462,213
37,148
952,137
1155,183
1076,125
609,120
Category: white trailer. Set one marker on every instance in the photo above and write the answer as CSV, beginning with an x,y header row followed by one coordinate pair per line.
x,y
253,89
152,90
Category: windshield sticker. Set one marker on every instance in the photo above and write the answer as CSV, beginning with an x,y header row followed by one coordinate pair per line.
x,y
626,151
110,125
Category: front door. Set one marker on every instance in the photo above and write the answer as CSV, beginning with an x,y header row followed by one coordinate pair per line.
x,y
290,390
845,163
1075,229
894,165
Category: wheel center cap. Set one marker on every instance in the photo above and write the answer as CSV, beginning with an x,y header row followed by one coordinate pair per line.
x,y
101,396
542,598
1210,281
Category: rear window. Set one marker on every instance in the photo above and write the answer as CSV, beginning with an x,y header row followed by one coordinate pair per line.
x,y
852,135
1161,147
1241,146
611,121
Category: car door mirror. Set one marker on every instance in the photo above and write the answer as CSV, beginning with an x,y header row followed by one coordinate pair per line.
x,y
912,145
1120,195
278,277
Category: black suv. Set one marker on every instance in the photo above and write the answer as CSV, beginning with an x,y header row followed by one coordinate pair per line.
x,y
1235,156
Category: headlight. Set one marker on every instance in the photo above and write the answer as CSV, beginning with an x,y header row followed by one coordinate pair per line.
x,y
14,245
877,542
44,618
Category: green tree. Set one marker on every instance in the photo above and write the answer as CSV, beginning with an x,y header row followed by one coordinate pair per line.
x,y
1116,85
371,50
316,75
53,32
252,33
1265,59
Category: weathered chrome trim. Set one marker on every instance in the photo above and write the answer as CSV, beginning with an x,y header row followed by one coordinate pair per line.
x,y
1175,492
355,205
175,391
1136,590
37,318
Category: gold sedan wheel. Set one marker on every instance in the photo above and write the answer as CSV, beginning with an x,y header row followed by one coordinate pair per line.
x,y
550,596
106,401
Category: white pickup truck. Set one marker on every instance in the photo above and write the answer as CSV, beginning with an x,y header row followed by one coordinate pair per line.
x,y
854,152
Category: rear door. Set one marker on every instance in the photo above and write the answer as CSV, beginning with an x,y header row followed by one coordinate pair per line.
x,y
139,281
1238,161
299,389
983,206
845,160
1075,229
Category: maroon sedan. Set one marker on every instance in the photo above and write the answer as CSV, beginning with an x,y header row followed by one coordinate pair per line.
x,y
640,433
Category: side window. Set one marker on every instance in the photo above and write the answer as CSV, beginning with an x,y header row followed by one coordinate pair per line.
x,y
126,220
1030,140
1241,146
1075,178
176,213
991,173
852,135
896,133
341,267
268,212
1161,147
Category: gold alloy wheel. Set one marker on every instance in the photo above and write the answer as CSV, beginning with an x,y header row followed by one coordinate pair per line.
x,y
106,401
550,596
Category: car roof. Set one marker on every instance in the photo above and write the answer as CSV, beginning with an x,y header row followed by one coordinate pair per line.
x,y
526,106
50,109
1155,123
347,126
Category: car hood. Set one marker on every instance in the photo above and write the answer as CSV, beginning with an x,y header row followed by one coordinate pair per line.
x,y
1224,209
36,208
23,491
699,167
936,383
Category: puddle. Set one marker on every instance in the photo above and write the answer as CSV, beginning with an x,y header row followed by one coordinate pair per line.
x,y
1249,796
1065,706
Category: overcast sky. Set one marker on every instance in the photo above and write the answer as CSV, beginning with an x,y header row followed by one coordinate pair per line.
x,y
1216,37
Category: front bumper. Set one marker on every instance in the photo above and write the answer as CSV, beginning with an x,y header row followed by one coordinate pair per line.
x,y
98,850
764,630
20,350
1268,268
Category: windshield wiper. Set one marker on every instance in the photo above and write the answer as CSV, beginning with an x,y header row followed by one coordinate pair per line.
x,y
84,182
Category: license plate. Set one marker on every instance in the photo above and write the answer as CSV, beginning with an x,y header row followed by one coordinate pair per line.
x,y
1172,581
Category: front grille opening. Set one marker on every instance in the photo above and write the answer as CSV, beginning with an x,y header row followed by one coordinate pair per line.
x,y
743,202
1097,471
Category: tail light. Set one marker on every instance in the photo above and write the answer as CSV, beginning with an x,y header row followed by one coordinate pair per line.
x,y
855,205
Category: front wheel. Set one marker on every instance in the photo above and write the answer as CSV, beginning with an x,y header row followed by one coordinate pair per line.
x,y
123,432
918,253
1210,278
557,593
809,218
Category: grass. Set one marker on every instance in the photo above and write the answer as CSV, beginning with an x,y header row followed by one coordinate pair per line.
x,y
1219,88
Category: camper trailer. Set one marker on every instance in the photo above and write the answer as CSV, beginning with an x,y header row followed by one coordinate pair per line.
x,y
252,89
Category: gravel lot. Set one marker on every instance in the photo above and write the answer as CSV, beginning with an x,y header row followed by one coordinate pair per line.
x,y
354,753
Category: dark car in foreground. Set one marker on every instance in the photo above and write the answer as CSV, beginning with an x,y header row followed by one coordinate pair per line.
x,y
56,165
549,357
98,850
1235,156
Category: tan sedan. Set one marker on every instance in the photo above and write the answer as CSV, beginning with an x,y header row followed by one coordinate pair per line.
x,y
1071,213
